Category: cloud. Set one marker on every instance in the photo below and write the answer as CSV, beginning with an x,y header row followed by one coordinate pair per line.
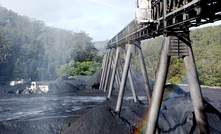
x,y
106,4
92,16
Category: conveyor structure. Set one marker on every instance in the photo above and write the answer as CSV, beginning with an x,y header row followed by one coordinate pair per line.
x,y
172,19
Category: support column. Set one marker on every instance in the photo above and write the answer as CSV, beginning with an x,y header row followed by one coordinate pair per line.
x,y
131,80
104,60
103,67
121,69
108,70
144,73
113,73
118,76
195,92
105,71
132,86
183,48
158,88
123,80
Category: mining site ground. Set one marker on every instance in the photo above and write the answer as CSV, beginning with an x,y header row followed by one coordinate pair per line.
x,y
75,108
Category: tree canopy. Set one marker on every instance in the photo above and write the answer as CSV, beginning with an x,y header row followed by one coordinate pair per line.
x,y
31,49
206,44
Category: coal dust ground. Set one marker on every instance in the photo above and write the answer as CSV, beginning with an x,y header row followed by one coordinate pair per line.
x,y
90,112
76,106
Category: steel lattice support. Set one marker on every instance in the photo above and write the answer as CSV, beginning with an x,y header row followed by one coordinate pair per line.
x,y
113,72
144,73
131,80
132,48
124,78
108,70
104,72
103,68
177,40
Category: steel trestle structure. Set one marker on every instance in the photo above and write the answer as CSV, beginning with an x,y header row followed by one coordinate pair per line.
x,y
172,19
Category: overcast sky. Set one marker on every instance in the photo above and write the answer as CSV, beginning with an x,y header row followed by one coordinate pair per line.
x,y
101,19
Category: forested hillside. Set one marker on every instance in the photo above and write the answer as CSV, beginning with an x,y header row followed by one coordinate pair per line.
x,y
100,45
31,49
206,44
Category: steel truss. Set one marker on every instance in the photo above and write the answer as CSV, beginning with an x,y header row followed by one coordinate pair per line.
x,y
171,18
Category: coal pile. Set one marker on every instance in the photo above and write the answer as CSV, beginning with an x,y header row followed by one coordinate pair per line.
x,y
176,116
93,123
176,113
62,84
13,89
94,81
104,120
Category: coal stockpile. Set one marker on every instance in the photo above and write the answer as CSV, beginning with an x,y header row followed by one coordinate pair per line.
x,y
13,89
176,116
104,120
73,106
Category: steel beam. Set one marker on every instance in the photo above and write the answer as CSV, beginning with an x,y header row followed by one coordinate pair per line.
x,y
108,70
124,78
195,92
195,13
118,76
132,86
113,73
193,81
158,88
131,80
104,71
144,73
103,67
121,69
104,59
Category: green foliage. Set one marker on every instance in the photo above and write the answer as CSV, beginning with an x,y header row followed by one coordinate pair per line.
x,y
79,68
151,53
206,44
30,49
176,72
207,47
175,80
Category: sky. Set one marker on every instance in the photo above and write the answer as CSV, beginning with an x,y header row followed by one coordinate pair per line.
x,y
101,19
